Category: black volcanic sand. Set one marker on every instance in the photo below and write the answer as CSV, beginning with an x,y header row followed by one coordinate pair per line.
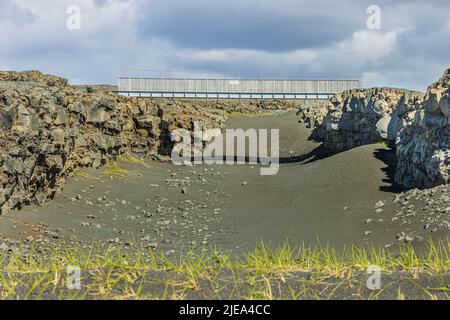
x,y
173,208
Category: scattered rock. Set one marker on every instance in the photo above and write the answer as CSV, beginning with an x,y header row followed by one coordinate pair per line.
x,y
379,204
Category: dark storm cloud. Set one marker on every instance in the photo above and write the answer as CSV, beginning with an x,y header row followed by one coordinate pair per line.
x,y
260,25
262,38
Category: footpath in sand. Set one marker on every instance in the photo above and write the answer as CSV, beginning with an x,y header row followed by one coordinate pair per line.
x,y
313,199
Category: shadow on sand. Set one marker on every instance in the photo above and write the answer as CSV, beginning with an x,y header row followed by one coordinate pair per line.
x,y
316,154
388,157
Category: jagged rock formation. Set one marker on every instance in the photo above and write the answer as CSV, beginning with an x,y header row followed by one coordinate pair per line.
x,y
418,124
33,77
363,116
313,114
48,128
249,106
423,146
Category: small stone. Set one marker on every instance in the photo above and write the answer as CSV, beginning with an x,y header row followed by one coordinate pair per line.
x,y
379,204
170,252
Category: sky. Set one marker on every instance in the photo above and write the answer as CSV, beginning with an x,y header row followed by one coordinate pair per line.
x,y
95,41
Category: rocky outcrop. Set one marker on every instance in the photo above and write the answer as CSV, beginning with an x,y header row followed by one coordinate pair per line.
x,y
33,77
365,116
252,106
423,146
361,116
312,114
238,106
48,128
418,124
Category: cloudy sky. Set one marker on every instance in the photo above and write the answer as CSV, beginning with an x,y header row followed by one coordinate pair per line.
x,y
228,38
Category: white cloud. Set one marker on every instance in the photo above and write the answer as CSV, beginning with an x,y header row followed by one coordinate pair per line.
x,y
374,79
368,45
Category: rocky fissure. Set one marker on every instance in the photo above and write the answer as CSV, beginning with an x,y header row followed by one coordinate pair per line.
x,y
48,128
417,124
361,116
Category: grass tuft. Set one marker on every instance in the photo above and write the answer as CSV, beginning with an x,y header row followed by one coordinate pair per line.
x,y
114,170
282,272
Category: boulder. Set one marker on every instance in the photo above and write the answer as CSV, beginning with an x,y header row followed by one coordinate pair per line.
x,y
444,102
98,115
431,103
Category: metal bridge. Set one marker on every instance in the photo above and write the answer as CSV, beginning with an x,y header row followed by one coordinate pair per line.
x,y
234,88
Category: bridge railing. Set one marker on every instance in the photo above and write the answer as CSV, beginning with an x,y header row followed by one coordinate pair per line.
x,y
234,88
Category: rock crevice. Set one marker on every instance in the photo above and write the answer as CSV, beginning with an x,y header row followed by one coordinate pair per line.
x,y
361,116
418,124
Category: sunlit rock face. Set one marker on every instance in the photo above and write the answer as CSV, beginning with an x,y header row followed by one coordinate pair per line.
x,y
48,128
418,124
361,116
423,146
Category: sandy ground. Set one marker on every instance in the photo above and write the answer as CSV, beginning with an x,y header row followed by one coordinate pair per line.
x,y
173,208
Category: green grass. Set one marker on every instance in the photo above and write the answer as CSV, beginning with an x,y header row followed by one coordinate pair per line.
x,y
266,273
131,159
114,170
